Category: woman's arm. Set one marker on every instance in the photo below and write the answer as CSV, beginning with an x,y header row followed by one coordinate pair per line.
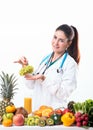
x,y
29,80
35,77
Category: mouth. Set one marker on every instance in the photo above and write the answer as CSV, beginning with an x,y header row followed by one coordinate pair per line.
x,y
55,47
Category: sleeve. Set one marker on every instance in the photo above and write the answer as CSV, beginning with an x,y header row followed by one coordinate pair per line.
x,y
29,83
65,85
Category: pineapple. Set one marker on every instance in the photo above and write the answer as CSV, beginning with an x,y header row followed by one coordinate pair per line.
x,y
8,87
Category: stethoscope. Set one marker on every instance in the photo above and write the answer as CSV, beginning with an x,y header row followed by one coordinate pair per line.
x,y
47,64
59,70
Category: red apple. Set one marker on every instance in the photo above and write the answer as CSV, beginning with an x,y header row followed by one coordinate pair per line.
x,y
18,119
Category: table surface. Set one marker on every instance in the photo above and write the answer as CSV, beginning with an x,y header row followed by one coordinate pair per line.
x,y
56,127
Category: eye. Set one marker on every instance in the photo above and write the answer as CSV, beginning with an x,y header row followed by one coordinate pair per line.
x,y
55,37
61,40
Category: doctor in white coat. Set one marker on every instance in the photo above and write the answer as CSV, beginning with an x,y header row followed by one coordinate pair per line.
x,y
56,76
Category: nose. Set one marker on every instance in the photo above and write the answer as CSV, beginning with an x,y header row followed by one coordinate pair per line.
x,y
56,41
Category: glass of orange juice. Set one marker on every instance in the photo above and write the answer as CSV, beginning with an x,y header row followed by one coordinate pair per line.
x,y
28,104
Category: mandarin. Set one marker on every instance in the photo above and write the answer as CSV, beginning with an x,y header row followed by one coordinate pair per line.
x,y
7,122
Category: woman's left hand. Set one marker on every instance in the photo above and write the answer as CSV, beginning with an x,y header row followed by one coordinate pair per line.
x,y
34,77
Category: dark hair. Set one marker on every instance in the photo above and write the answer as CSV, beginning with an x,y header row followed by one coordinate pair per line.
x,y
72,35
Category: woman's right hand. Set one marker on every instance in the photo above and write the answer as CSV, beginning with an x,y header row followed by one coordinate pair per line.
x,y
23,61
35,77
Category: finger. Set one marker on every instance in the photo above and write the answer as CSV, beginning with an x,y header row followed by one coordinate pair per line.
x,y
24,60
15,61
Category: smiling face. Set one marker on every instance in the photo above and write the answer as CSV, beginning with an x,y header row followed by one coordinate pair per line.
x,y
60,42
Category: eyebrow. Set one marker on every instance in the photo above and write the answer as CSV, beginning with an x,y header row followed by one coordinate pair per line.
x,y
64,40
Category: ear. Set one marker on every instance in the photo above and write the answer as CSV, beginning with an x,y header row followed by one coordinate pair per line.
x,y
69,43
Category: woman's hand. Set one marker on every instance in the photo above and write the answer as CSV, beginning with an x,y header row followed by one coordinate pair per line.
x,y
34,77
23,61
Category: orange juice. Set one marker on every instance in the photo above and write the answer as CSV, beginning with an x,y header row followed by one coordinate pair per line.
x,y
28,104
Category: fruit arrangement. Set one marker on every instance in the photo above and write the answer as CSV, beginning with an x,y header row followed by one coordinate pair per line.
x,y
47,116
78,114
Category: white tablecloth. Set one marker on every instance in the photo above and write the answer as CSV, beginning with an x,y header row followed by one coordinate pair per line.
x,y
59,127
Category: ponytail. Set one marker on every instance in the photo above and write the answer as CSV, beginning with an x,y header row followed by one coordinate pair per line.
x,y
73,49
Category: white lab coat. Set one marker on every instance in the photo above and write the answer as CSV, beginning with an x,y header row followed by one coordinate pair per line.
x,y
57,87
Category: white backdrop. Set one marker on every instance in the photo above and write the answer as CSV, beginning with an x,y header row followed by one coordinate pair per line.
x,y
27,27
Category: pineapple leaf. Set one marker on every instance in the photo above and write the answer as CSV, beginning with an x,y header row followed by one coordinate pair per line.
x,y
8,85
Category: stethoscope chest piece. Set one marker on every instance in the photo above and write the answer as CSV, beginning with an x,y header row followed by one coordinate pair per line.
x,y
60,70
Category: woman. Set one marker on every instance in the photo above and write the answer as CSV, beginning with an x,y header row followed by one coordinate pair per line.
x,y
56,78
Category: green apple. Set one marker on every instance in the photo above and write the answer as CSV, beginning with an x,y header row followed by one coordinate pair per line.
x,y
8,116
4,116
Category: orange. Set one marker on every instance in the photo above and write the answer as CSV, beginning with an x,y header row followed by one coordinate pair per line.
x,y
10,108
42,107
37,112
7,122
46,112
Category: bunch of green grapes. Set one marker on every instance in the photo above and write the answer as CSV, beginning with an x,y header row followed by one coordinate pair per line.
x,y
26,69
32,120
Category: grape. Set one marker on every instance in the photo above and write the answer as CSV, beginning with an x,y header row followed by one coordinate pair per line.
x,y
25,70
32,120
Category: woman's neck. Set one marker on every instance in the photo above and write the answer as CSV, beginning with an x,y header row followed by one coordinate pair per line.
x,y
56,56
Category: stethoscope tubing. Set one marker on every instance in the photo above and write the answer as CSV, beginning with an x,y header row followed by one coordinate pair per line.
x,y
46,65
